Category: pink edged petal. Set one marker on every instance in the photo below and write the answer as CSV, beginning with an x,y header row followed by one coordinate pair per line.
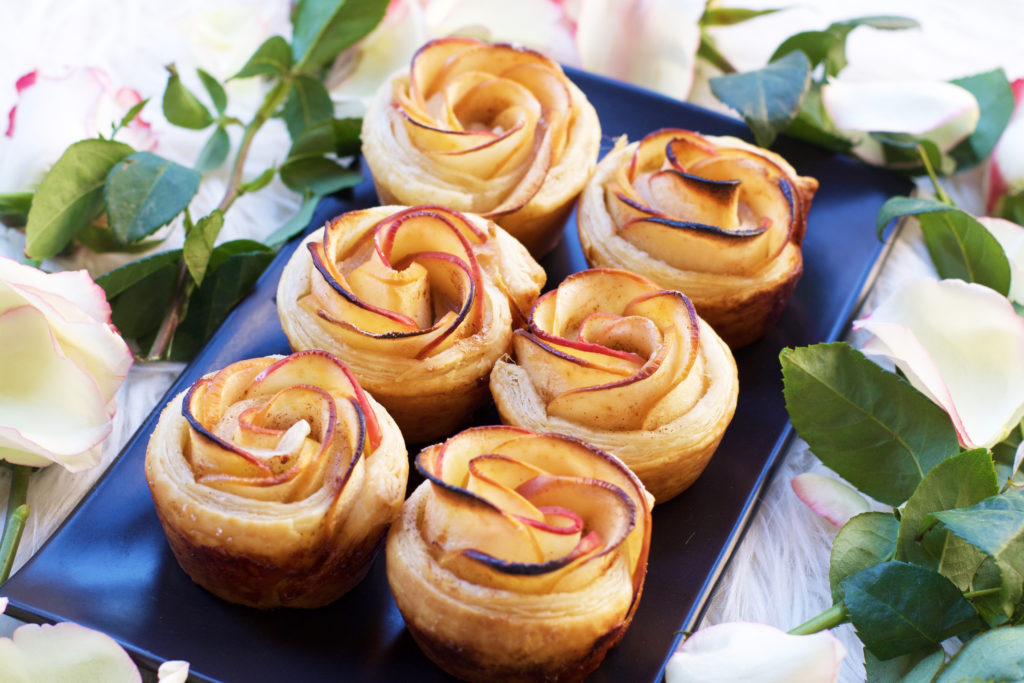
x,y
741,651
962,345
1007,164
941,112
174,671
3,604
650,43
1010,236
829,498
64,652
75,287
1018,458
49,406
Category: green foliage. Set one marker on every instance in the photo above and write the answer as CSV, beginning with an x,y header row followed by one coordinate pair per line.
x,y
14,207
215,90
139,294
181,107
273,58
961,481
144,192
215,151
896,207
308,103
297,223
916,667
875,430
768,98
891,618
963,248
199,244
70,196
997,655
995,98
323,28
864,541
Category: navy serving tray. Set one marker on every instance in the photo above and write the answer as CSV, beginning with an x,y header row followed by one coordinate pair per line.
x,y
109,568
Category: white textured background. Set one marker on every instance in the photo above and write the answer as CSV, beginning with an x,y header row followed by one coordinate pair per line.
x,y
779,574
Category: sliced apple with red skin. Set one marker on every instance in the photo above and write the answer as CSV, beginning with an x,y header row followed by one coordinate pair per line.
x,y
328,372
651,152
207,451
487,58
554,372
430,59
694,246
495,478
692,198
449,460
384,232
412,233
560,311
552,93
532,180
333,293
405,292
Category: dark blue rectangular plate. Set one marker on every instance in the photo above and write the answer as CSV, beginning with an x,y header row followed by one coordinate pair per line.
x,y
108,567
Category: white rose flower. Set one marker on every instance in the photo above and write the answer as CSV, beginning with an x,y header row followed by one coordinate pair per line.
x,y
62,361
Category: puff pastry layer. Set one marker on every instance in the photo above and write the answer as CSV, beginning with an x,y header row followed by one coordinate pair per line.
x,y
521,557
713,217
275,480
495,130
420,302
613,359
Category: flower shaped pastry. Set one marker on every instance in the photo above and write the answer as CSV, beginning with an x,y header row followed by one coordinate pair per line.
x,y
614,360
275,480
521,557
713,217
420,302
492,129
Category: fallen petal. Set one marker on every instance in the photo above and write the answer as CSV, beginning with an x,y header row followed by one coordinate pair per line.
x,y
740,651
64,652
1010,236
829,498
174,671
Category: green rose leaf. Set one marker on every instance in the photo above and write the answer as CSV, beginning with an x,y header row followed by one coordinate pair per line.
x,y
119,279
215,151
70,196
995,526
827,46
995,99
273,58
100,239
232,270
963,248
1004,454
14,207
144,192
869,426
866,540
139,294
768,98
330,136
296,223
308,103
199,244
730,16
883,22
181,107
257,183
813,125
130,116
895,207
323,28
916,667
319,175
898,608
958,482
997,655
215,90
1011,207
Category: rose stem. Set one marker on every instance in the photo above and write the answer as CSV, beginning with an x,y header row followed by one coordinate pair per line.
x,y
940,193
833,616
170,322
14,523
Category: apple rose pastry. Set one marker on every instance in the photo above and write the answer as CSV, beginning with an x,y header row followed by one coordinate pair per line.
x,y
614,360
496,130
521,557
420,302
275,480
713,217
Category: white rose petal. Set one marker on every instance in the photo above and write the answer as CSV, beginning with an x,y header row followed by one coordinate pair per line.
x,y
739,651
175,671
64,652
962,345
1011,238
941,112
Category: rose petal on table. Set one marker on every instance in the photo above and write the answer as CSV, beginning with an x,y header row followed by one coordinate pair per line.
x,y
941,112
962,345
174,671
742,651
3,605
64,652
829,498
1010,236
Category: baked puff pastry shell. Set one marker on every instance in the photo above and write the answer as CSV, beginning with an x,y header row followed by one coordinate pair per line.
x,y
420,302
495,130
275,480
614,360
521,557
713,217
